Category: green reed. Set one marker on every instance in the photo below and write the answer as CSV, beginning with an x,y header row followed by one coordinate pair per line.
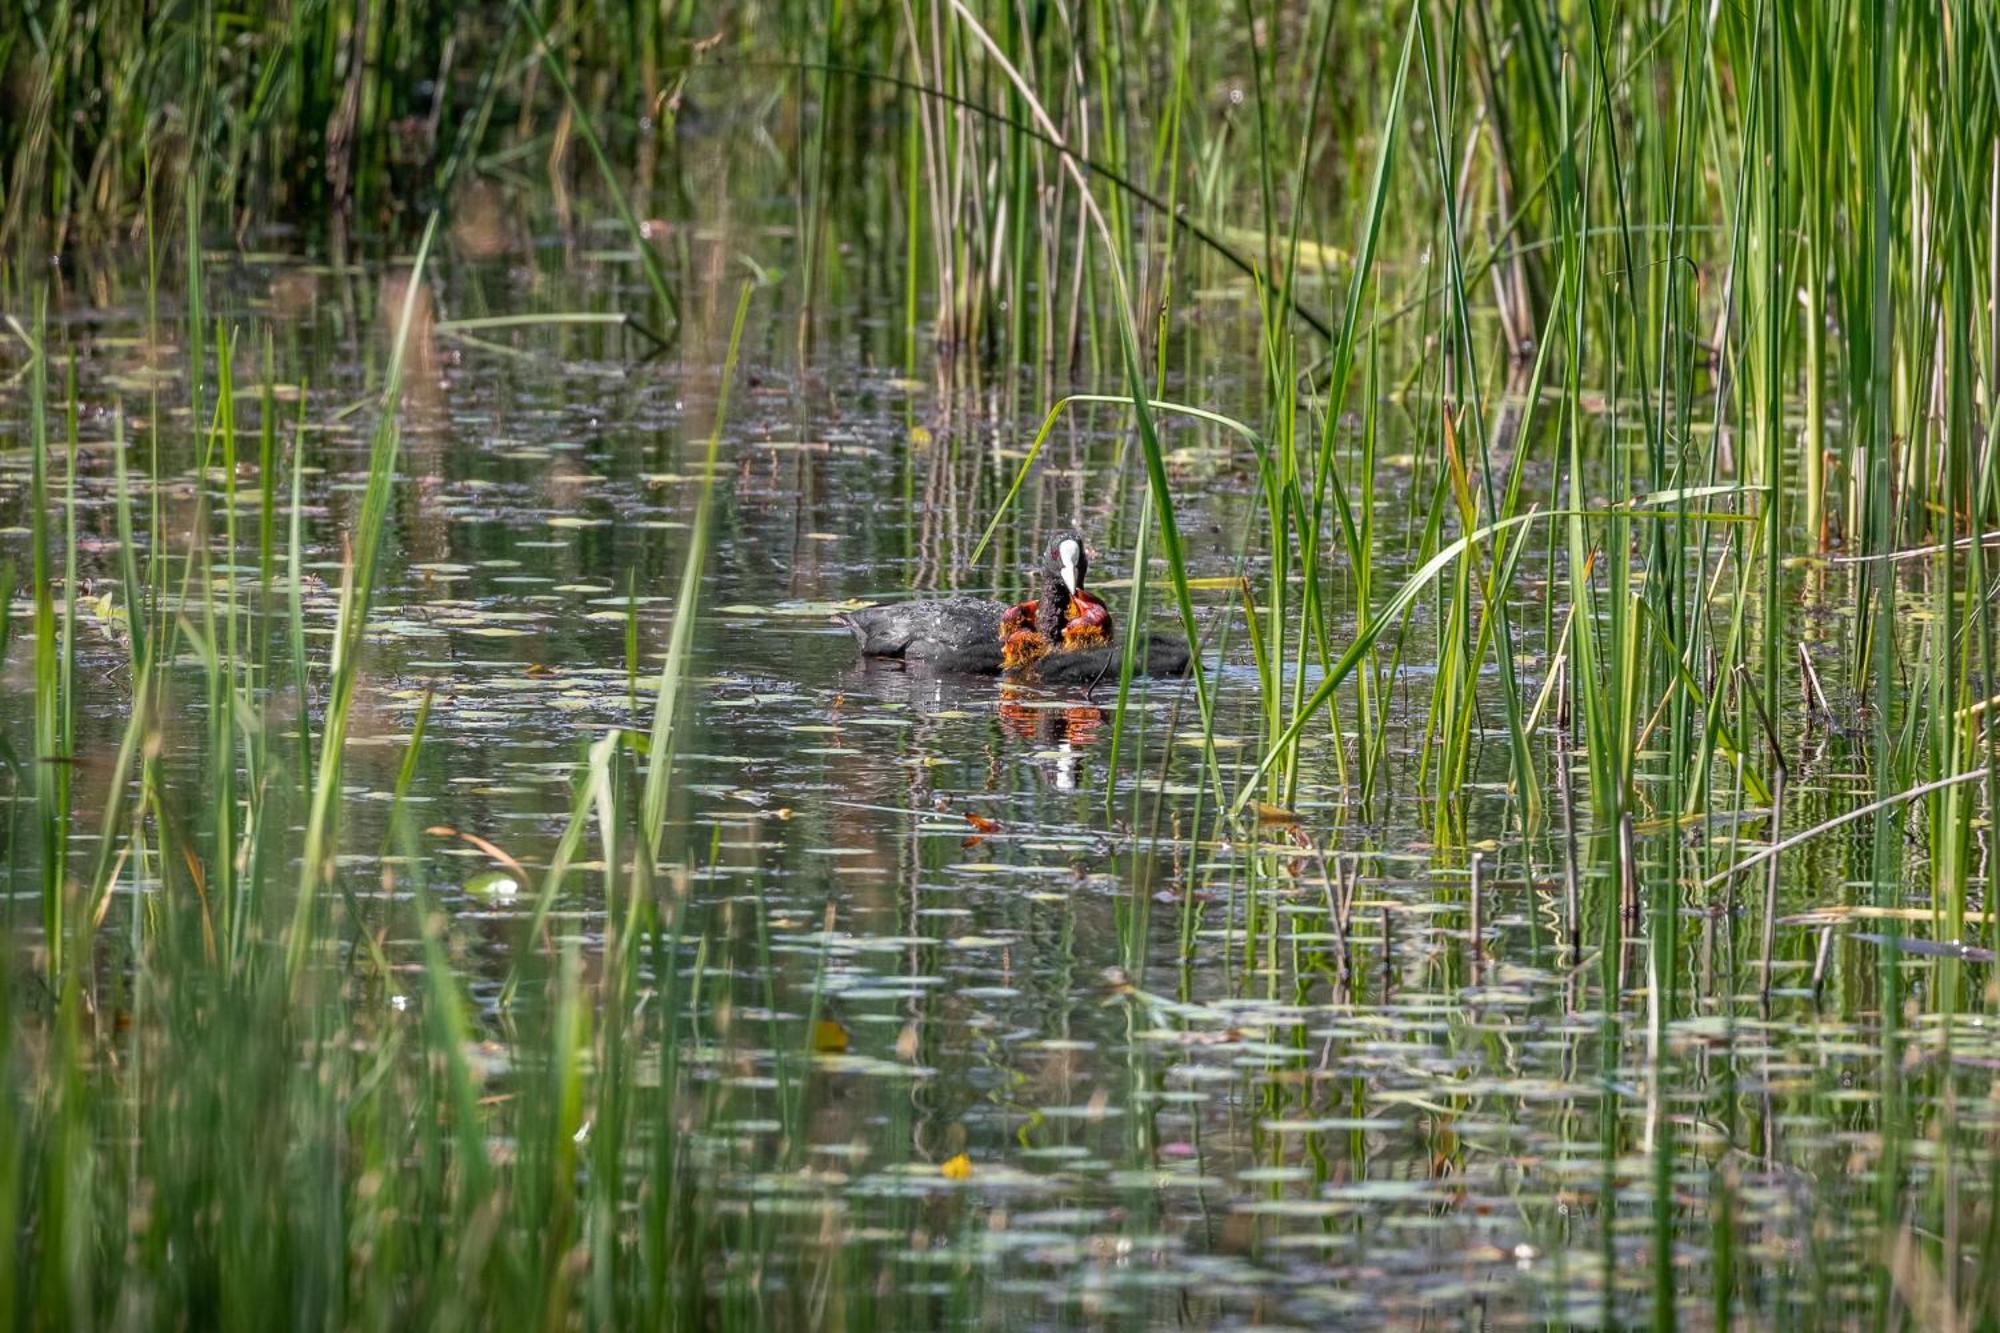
x,y
356,592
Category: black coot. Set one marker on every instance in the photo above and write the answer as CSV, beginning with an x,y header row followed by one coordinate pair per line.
x,y
1063,637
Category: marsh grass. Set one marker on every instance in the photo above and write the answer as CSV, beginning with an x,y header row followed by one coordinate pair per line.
x,y
1692,316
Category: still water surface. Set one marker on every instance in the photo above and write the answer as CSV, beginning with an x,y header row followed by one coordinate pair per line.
x,y
1080,1049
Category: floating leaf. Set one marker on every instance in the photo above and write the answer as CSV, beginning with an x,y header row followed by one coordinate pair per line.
x,y
493,886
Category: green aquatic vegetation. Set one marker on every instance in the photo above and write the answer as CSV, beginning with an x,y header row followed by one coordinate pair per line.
x,y
356,594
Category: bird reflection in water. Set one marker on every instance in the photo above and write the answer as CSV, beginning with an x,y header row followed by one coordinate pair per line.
x,y
1064,731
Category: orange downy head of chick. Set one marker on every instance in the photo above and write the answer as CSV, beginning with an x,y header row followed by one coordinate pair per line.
x,y
1085,635
1089,622
1023,648
1016,618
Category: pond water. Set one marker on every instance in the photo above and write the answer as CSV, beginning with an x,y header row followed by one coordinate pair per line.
x,y
971,1024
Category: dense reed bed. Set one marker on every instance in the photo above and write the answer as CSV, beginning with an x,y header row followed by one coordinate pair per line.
x,y
1675,328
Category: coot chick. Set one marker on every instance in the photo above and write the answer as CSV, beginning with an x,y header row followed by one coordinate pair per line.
x,y
1064,617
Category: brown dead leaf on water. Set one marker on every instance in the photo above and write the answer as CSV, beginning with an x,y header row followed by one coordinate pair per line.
x,y
981,823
